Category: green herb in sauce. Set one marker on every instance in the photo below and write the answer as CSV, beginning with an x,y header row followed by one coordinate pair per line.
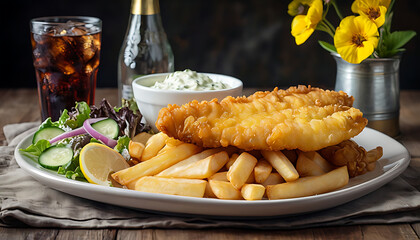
x,y
190,81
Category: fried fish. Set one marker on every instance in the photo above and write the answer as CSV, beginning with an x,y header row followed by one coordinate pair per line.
x,y
302,117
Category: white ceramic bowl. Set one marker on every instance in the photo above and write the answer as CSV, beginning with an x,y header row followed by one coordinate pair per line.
x,y
151,100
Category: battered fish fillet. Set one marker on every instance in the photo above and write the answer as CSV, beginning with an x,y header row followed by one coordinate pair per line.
x,y
304,118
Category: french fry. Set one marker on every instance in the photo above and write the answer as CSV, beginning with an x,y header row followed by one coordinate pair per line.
x,y
208,193
222,176
224,190
131,185
273,179
262,170
156,164
251,178
142,137
241,169
203,168
307,167
172,186
281,164
309,186
135,149
232,159
153,145
169,143
173,142
180,167
319,160
219,176
252,191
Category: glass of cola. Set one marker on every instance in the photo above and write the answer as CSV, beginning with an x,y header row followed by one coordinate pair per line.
x,y
66,59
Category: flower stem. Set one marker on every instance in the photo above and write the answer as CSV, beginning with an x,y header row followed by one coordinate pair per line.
x,y
337,10
326,11
329,25
322,26
390,6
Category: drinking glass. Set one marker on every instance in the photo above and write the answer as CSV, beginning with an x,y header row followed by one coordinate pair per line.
x,y
66,58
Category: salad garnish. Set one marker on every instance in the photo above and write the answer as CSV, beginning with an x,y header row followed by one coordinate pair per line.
x,y
74,129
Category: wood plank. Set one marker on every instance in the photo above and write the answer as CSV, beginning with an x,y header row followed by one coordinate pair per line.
x,y
16,106
416,228
128,234
409,121
340,232
233,234
28,233
88,234
394,231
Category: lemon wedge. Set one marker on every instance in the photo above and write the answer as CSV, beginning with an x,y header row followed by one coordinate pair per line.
x,y
97,161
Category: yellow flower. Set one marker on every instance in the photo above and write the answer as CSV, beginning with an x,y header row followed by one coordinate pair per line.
x,y
375,10
299,7
304,25
356,38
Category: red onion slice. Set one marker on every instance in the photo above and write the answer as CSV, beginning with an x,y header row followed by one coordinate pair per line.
x,y
95,134
71,133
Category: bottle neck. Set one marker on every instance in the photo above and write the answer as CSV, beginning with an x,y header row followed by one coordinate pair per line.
x,y
145,7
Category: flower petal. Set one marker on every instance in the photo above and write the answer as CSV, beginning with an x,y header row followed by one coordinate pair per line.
x,y
355,6
385,3
356,38
301,38
300,30
298,25
364,52
293,7
381,19
314,15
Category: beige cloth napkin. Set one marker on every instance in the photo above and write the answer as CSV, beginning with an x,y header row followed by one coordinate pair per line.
x,y
26,202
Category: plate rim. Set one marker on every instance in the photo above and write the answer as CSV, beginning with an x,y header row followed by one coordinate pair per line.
x,y
361,189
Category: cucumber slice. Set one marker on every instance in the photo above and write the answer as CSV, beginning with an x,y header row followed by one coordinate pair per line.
x,y
107,127
47,133
55,156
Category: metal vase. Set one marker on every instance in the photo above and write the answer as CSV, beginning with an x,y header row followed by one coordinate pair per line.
x,y
374,84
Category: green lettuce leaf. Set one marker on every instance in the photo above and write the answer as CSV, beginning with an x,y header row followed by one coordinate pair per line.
x,y
34,150
122,143
75,118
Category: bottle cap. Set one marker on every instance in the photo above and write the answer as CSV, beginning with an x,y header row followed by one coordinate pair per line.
x,y
145,7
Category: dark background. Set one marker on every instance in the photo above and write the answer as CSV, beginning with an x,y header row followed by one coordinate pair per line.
x,y
248,39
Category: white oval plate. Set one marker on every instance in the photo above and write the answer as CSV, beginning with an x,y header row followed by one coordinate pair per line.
x,y
394,161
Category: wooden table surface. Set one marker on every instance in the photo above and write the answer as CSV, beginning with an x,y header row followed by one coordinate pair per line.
x,y
21,105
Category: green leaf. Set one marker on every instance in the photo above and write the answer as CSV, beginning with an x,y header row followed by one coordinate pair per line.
x,y
84,113
34,150
388,20
48,123
397,39
122,143
131,104
328,46
62,121
94,140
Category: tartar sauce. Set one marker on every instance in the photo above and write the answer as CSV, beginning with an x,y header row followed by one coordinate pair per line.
x,y
189,80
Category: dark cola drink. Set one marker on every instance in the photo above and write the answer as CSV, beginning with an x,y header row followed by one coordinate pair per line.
x,y
66,59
